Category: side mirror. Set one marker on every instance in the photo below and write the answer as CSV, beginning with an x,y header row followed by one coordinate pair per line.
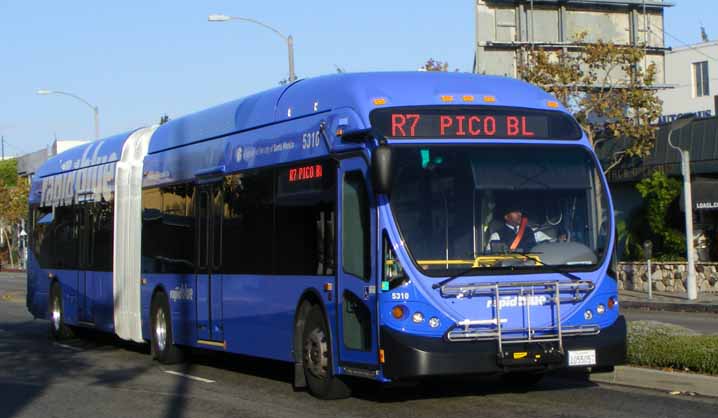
x,y
381,169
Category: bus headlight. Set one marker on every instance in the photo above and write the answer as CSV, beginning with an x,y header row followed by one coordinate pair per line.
x,y
600,309
434,322
417,318
587,315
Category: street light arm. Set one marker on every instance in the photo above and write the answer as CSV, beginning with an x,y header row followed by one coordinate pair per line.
x,y
257,22
95,109
64,93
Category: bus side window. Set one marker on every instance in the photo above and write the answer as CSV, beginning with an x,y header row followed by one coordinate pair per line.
x,y
355,226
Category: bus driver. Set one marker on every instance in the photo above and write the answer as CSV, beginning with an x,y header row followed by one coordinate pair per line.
x,y
515,233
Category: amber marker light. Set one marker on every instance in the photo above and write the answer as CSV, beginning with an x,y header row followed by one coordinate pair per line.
x,y
468,98
398,312
552,104
379,101
447,98
489,99
381,356
611,303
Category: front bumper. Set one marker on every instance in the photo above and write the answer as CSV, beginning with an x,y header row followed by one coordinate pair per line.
x,y
409,356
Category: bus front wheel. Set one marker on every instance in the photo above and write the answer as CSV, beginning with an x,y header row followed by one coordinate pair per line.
x,y
163,348
317,359
58,329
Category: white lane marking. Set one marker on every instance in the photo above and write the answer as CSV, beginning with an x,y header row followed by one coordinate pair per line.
x,y
69,347
199,379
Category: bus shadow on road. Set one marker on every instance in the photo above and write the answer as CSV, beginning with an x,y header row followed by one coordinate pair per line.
x,y
448,387
31,364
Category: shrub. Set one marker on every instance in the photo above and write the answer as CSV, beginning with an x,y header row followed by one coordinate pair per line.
x,y
659,345
659,192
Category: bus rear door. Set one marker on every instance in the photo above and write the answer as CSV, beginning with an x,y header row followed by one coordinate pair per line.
x,y
356,287
208,217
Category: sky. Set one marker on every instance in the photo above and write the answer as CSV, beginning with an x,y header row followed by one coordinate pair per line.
x,y
138,60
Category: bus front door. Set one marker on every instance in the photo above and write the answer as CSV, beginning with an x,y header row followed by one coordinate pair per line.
x,y
356,281
208,217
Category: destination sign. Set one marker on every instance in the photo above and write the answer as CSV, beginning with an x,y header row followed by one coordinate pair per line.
x,y
304,178
458,122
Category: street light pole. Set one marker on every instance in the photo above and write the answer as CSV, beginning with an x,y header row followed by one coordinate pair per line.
x,y
95,109
680,123
288,39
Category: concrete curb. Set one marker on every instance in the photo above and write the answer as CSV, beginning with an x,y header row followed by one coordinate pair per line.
x,y
659,380
669,306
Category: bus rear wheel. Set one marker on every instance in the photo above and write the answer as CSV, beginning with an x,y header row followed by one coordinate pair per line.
x,y
162,342
58,329
317,359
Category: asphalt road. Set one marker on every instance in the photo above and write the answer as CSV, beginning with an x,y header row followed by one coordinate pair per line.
x,y
97,375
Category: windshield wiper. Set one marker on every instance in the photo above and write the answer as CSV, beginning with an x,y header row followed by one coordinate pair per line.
x,y
526,256
555,269
456,276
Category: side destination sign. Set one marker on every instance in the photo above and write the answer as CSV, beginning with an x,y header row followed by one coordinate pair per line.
x,y
91,179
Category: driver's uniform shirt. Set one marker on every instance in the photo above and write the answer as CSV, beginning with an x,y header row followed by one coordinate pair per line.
x,y
509,235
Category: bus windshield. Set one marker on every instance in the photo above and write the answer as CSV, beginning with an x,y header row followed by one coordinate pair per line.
x,y
519,208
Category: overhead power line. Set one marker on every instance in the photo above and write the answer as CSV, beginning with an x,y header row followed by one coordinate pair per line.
x,y
686,44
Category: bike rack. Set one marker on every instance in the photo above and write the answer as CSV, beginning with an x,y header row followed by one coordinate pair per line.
x,y
493,328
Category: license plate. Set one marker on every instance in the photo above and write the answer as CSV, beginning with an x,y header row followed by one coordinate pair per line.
x,y
582,357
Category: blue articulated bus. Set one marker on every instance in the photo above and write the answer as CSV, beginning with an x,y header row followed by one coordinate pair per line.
x,y
385,226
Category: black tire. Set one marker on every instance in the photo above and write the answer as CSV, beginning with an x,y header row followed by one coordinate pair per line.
x,y
317,359
522,379
162,341
58,329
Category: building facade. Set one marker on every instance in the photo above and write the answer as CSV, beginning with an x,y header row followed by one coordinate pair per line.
x,y
503,27
27,164
700,138
692,75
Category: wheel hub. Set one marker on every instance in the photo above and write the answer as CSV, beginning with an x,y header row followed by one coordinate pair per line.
x,y
56,314
160,329
316,353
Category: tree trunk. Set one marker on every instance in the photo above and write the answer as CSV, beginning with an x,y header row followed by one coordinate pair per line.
x,y
9,248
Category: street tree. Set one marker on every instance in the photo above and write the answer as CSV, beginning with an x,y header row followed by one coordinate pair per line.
x,y
435,65
8,171
13,209
606,87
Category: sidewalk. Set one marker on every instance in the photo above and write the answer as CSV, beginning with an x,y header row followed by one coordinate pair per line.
x,y
672,382
631,299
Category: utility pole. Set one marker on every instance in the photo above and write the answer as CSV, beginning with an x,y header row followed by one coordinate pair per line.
x,y
2,139
677,124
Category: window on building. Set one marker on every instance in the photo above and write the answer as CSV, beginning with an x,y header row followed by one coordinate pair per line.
x,y
700,79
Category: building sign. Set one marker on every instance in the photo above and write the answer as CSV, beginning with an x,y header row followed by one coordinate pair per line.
x,y
484,122
664,119
704,194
